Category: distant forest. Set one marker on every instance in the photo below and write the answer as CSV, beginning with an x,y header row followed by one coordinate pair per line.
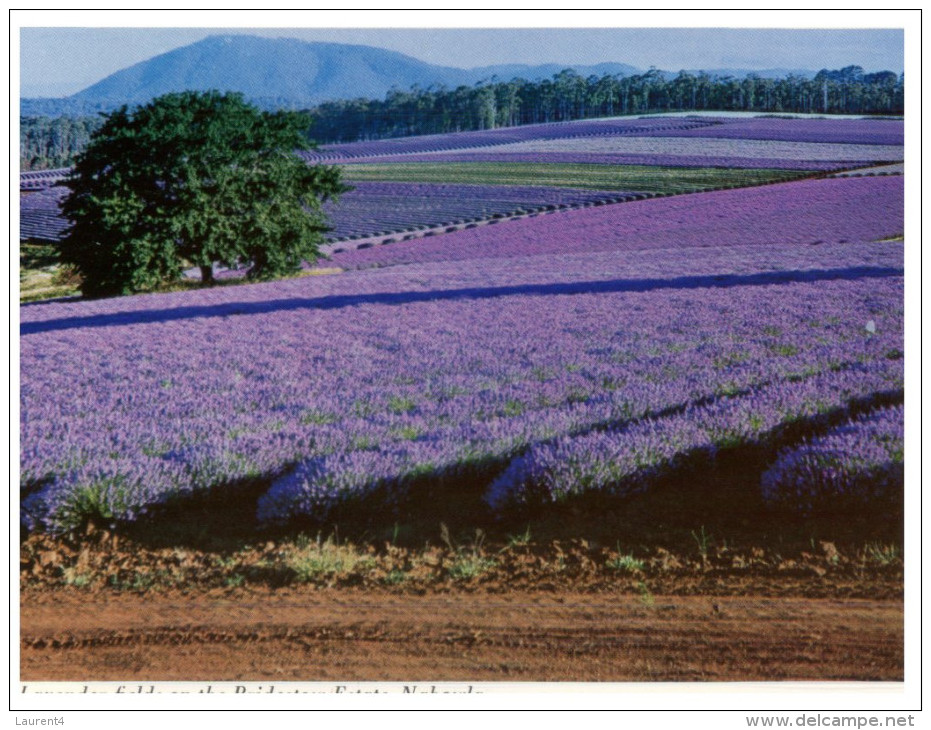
x,y
47,142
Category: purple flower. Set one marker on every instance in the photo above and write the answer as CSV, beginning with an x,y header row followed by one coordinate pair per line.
x,y
854,465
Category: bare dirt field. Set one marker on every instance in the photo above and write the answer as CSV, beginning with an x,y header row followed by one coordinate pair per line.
x,y
689,584
353,635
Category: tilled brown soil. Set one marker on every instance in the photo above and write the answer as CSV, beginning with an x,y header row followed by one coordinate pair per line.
x,y
682,598
352,635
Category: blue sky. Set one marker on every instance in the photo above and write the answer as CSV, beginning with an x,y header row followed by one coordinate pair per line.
x,y
62,60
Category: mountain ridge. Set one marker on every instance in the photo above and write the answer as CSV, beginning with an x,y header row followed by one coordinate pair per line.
x,y
292,73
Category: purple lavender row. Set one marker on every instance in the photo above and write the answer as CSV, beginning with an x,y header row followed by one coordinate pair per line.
x,y
840,131
130,402
710,147
506,135
810,212
593,158
725,263
40,222
626,460
857,464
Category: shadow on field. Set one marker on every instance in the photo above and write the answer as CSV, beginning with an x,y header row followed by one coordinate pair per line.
x,y
407,297
701,497
718,501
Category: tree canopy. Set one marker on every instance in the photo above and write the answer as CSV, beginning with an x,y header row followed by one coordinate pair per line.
x,y
193,178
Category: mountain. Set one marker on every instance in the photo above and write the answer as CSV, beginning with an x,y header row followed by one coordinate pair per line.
x,y
285,72
261,68
290,73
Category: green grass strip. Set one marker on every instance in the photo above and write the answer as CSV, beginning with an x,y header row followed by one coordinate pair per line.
x,y
39,273
639,178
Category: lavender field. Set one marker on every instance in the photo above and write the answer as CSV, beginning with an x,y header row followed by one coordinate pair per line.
x,y
377,377
593,160
586,351
486,138
837,131
809,213
855,463
802,131
710,146
647,159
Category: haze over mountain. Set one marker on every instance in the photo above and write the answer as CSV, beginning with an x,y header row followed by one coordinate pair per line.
x,y
285,68
289,72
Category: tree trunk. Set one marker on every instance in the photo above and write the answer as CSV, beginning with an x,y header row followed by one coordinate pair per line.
x,y
206,275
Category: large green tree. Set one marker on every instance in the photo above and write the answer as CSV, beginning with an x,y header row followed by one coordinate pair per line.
x,y
193,178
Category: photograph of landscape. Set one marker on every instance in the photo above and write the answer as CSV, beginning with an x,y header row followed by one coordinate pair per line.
x,y
493,355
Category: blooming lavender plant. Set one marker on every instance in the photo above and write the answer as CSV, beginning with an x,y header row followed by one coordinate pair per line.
x,y
626,459
374,377
519,344
857,464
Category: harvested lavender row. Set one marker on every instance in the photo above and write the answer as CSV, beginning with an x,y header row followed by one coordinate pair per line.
x,y
626,460
374,208
711,147
856,464
810,212
505,135
127,403
839,131
897,169
40,215
593,158
41,179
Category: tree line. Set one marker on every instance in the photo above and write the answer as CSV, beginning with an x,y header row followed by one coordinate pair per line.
x,y
567,96
46,143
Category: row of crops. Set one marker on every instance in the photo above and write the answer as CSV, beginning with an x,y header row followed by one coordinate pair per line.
x,y
400,198
375,378
507,135
594,350
836,131
806,212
